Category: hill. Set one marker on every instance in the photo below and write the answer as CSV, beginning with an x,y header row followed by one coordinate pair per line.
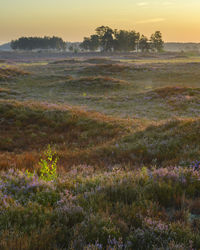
x,y
99,153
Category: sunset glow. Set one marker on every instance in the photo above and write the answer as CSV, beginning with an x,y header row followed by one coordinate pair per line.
x,y
178,20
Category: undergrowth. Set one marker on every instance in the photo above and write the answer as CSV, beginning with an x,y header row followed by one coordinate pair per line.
x,y
89,209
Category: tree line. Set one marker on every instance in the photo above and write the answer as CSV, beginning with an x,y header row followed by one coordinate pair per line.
x,y
107,39
31,43
104,39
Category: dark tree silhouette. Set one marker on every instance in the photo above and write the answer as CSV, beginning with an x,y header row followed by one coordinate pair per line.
x,y
144,44
125,40
85,44
30,43
90,43
156,41
105,35
107,39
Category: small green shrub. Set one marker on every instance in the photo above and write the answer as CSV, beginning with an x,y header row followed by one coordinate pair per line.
x,y
48,171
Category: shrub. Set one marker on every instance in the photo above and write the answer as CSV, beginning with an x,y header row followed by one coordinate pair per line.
x,y
48,165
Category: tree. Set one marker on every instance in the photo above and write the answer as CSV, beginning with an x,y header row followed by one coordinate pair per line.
x,y
133,40
144,45
90,43
105,35
30,43
13,45
121,40
125,40
94,42
85,45
156,41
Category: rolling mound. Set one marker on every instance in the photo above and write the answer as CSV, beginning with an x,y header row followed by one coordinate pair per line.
x,y
91,138
168,92
5,92
90,60
100,82
100,61
177,97
104,69
70,61
30,127
171,143
9,73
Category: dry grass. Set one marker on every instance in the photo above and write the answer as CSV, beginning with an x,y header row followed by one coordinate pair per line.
x,y
66,61
7,91
9,73
168,144
100,82
178,98
102,69
100,61
91,137
168,92
4,90
68,129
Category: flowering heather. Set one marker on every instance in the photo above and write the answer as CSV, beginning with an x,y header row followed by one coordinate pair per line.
x,y
195,165
158,226
176,174
116,209
22,187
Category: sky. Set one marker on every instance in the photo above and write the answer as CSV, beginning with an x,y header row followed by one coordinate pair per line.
x,y
178,20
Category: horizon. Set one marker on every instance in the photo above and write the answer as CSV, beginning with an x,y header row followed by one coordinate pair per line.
x,y
177,20
6,42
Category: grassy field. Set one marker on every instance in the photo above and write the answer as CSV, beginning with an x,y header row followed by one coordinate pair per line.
x,y
126,131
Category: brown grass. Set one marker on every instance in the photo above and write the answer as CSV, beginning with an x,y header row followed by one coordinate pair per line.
x,y
178,98
27,128
97,82
100,61
173,91
9,73
105,69
4,90
70,61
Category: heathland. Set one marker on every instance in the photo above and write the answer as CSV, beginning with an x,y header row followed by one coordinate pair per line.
x,y
125,130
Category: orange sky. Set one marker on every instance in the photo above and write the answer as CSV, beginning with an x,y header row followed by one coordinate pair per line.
x,y
178,20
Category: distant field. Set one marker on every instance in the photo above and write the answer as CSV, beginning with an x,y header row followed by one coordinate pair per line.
x,y
106,116
148,91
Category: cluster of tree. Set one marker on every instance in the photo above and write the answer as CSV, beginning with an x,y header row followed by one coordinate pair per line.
x,y
107,39
30,43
